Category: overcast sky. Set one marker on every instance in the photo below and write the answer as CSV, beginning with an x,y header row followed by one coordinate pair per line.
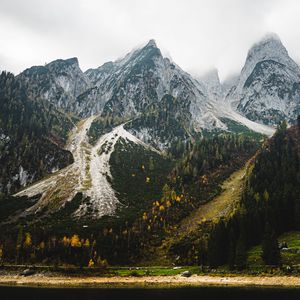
x,y
197,34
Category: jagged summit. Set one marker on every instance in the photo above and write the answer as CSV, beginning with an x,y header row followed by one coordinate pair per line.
x,y
126,87
268,87
151,43
59,82
270,36
121,60
270,47
68,62
58,63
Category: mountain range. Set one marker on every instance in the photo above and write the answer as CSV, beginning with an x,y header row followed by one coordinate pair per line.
x,y
141,100
138,161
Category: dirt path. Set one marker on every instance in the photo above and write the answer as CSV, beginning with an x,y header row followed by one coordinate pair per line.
x,y
151,281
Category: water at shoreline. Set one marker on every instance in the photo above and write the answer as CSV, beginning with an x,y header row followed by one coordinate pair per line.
x,y
211,293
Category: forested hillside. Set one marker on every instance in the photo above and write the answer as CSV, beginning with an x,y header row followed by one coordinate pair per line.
x,y
137,161
269,206
155,192
32,134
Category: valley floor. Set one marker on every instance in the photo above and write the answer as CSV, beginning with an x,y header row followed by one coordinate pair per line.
x,y
40,280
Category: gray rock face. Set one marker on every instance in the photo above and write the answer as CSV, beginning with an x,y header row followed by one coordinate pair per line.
x,y
268,88
124,88
266,91
60,82
127,87
213,86
186,274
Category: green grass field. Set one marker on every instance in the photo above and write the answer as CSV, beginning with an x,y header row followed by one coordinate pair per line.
x,y
289,256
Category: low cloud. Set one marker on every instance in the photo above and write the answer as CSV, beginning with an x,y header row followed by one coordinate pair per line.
x,y
198,34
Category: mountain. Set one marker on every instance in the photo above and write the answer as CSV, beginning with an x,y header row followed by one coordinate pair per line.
x,y
130,88
142,78
213,85
89,175
149,95
137,87
268,88
59,82
32,135
123,158
163,124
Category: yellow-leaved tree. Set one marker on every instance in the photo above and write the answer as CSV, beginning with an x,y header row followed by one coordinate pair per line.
x,y
28,240
75,241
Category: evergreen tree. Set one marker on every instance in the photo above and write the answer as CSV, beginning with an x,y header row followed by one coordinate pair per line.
x,y
271,252
231,249
241,254
217,246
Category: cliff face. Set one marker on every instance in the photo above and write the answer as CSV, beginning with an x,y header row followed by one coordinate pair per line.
x,y
268,88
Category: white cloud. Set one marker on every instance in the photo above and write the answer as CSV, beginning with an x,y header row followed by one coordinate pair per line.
x,y
198,34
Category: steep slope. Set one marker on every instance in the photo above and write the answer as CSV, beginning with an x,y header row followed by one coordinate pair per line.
x,y
89,174
59,82
32,135
162,124
269,205
213,85
197,224
229,113
268,89
130,85
137,83
223,109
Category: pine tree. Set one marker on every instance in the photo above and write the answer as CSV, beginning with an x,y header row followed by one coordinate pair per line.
x,y
241,254
231,249
271,252
217,250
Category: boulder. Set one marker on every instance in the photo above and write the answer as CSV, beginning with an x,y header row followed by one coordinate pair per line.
x,y
186,274
27,272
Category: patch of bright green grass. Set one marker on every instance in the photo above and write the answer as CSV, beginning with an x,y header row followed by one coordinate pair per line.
x,y
151,271
289,256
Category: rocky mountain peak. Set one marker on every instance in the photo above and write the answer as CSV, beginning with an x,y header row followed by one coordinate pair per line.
x,y
268,87
270,47
212,84
151,43
60,64
270,50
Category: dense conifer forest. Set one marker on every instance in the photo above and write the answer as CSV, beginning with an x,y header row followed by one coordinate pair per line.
x,y
32,135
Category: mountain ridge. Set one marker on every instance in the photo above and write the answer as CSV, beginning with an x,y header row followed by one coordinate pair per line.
x,y
267,89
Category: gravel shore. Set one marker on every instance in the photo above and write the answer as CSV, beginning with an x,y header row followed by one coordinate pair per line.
x,y
150,281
